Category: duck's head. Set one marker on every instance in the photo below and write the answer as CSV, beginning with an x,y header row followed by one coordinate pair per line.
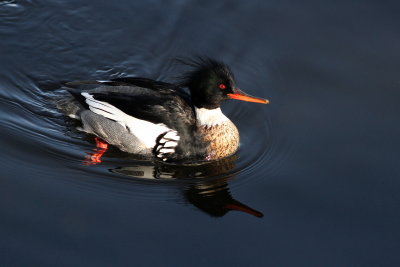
x,y
211,82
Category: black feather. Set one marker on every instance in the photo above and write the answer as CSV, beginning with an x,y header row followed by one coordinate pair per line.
x,y
202,66
203,80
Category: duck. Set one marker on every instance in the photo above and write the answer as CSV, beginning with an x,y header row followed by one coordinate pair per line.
x,y
159,120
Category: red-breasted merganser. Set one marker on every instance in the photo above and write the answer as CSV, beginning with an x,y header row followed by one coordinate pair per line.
x,y
161,120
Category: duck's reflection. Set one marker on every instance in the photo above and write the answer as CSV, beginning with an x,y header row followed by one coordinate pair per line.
x,y
210,195
215,199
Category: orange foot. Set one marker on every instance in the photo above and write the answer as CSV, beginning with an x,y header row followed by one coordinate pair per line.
x,y
93,158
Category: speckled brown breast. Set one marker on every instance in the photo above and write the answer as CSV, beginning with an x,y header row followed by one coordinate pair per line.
x,y
223,139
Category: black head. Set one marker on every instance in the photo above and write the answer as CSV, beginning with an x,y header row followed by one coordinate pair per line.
x,y
210,82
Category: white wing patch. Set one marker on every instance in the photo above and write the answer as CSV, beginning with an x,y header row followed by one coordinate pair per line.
x,y
145,131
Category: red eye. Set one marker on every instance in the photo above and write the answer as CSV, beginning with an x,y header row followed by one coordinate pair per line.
x,y
222,86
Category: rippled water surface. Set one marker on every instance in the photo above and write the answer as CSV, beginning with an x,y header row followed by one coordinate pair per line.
x,y
316,178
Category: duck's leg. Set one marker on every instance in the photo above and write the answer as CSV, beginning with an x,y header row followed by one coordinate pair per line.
x,y
95,158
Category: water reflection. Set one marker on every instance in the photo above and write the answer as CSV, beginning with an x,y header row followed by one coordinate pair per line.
x,y
214,198
209,191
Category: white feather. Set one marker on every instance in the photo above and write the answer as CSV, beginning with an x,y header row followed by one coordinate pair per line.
x,y
145,131
210,117
167,150
172,135
73,116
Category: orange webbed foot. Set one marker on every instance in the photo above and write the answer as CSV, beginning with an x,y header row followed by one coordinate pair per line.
x,y
93,158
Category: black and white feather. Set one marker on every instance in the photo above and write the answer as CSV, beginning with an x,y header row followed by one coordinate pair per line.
x,y
140,120
147,132
166,145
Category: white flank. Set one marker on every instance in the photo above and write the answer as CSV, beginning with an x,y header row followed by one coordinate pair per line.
x,y
145,131
210,117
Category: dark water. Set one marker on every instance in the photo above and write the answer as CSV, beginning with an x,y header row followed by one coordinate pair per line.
x,y
320,162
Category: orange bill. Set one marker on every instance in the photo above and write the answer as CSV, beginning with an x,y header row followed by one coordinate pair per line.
x,y
240,95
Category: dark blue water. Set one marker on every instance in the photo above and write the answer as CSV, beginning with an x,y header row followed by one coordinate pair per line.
x,y
320,163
